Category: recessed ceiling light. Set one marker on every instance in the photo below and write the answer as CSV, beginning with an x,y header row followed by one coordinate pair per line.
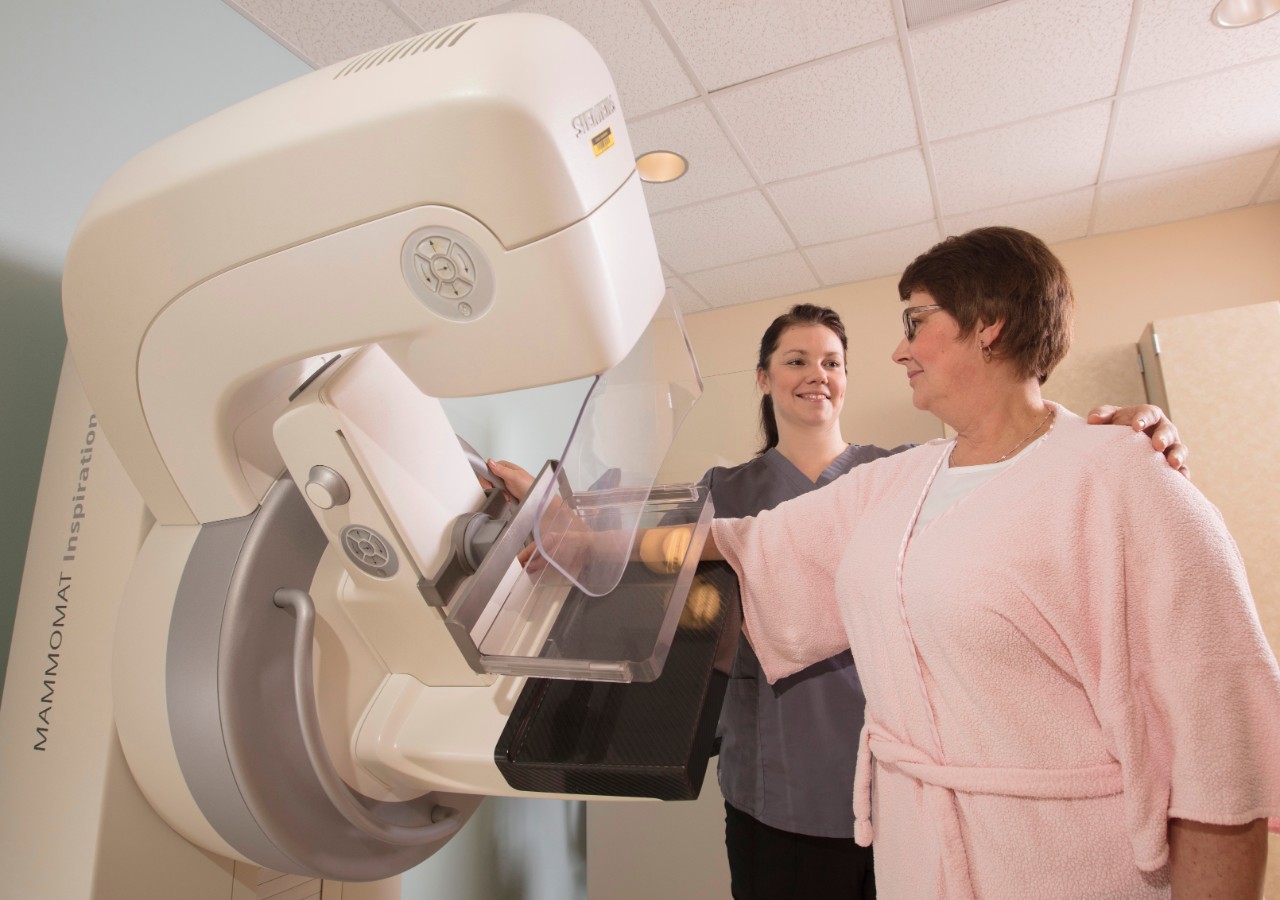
x,y
1238,13
661,166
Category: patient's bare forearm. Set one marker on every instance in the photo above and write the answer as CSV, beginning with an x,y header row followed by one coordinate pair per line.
x,y
1217,860
664,547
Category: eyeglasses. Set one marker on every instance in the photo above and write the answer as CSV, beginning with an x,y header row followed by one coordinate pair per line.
x,y
909,321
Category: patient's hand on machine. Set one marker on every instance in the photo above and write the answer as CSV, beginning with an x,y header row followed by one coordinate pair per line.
x,y
518,480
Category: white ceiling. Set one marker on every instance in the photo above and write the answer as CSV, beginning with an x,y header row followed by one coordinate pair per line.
x,y
831,141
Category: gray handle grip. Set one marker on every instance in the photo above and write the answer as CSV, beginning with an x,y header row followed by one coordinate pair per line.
x,y
445,820
480,467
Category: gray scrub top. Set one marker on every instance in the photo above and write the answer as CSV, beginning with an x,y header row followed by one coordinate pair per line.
x,y
787,750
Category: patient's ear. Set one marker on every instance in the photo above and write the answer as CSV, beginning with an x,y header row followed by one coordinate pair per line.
x,y
988,334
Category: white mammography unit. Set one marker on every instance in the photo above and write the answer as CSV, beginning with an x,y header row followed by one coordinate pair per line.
x,y
268,565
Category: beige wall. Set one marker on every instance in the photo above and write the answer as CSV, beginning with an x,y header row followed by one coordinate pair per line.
x,y
1122,282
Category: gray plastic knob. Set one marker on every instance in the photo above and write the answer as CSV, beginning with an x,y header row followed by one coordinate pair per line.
x,y
326,488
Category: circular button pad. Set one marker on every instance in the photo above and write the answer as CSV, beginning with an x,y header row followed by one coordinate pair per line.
x,y
440,266
369,550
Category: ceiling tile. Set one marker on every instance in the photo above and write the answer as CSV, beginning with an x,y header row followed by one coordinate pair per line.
x,y
1016,60
1052,219
1175,39
327,31
756,279
690,130
432,14
1271,192
684,297
644,69
1169,196
1216,116
728,230
922,12
872,256
841,110
879,195
1037,158
729,41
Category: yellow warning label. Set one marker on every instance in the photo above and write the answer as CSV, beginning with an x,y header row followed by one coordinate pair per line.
x,y
602,141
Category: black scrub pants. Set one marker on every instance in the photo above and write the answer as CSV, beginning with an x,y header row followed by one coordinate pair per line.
x,y
769,864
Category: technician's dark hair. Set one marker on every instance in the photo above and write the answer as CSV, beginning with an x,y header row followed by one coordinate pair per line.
x,y
996,273
800,314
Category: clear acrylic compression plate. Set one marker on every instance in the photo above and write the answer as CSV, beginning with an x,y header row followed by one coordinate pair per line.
x,y
511,619
586,526
581,609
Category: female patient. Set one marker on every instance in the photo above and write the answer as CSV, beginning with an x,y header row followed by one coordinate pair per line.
x,y
1066,696
787,759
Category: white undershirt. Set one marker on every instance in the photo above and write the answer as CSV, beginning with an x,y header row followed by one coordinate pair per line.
x,y
953,484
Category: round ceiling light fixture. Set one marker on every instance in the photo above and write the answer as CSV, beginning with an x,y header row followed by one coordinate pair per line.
x,y
1238,13
661,166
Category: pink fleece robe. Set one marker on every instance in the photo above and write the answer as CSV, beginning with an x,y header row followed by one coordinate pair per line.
x,y
1057,665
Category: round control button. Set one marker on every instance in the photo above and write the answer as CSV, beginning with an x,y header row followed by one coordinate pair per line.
x,y
326,488
444,268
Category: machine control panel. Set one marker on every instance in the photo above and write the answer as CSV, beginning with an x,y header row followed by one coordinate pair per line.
x,y
440,266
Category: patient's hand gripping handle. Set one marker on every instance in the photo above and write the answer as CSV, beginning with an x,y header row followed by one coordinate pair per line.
x,y
446,820
480,467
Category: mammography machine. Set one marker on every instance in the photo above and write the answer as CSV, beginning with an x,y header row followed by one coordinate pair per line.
x,y
265,590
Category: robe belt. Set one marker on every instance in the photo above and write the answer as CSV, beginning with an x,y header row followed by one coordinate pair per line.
x,y
942,781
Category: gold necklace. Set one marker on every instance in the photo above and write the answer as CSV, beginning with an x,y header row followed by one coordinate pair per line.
x,y
1039,425
1014,448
